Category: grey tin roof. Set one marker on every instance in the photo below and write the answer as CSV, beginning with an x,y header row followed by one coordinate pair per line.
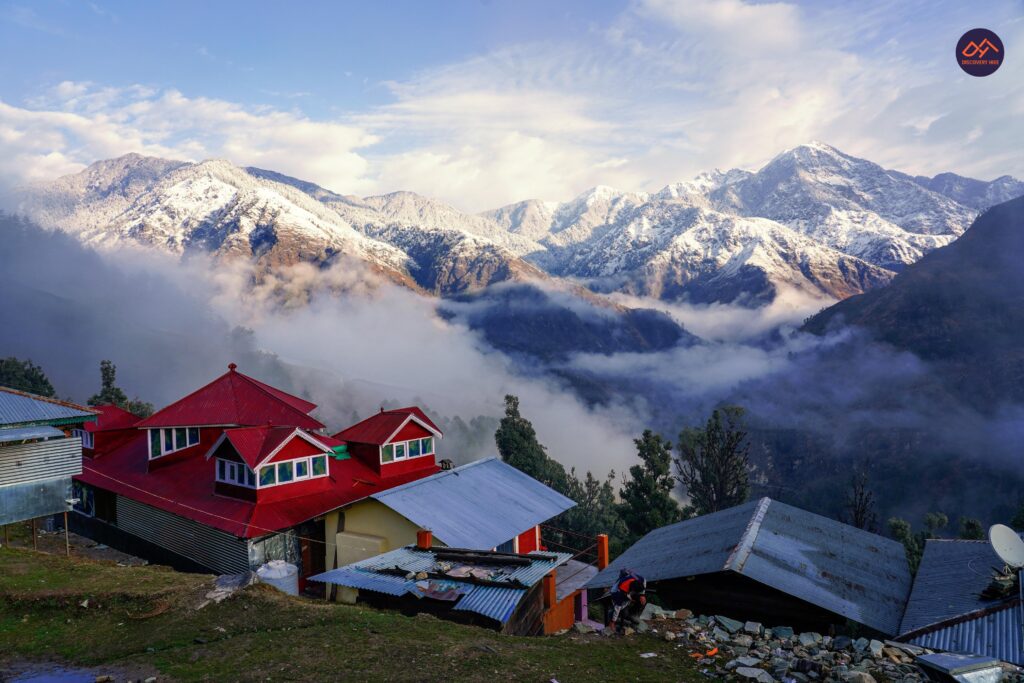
x,y
952,575
945,611
18,408
480,505
496,602
845,570
15,434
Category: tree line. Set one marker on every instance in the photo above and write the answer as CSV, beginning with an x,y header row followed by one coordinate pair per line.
x,y
24,375
710,463
710,467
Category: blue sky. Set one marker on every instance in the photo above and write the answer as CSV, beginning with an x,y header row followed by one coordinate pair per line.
x,y
484,103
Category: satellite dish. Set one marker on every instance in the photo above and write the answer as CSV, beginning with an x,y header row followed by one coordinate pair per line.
x,y
1007,545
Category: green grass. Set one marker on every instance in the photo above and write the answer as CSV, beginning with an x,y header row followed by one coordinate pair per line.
x,y
261,634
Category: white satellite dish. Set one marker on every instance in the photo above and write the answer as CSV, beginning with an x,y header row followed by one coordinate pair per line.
x,y
1007,545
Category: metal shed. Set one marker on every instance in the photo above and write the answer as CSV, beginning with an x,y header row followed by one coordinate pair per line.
x,y
768,559
946,612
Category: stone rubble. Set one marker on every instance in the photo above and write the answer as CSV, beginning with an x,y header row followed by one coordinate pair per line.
x,y
727,649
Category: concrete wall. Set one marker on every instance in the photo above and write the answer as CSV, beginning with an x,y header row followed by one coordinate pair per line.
x,y
366,520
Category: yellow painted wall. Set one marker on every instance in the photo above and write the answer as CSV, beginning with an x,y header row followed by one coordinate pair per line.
x,y
370,518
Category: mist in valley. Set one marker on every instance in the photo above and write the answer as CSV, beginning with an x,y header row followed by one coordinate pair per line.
x,y
817,407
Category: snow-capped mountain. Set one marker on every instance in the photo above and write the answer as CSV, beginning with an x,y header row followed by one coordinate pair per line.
x,y
812,219
232,212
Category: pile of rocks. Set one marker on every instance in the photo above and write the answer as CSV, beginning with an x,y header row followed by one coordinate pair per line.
x,y
727,649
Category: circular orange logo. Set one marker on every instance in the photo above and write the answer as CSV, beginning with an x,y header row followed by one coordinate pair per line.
x,y
980,52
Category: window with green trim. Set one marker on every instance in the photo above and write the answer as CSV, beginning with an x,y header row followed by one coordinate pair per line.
x,y
154,443
399,451
387,453
284,472
268,476
427,445
414,448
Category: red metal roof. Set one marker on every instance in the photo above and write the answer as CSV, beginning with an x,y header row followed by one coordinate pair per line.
x,y
235,399
111,418
186,488
254,444
377,429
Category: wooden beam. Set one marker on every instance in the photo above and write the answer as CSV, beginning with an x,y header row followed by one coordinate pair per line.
x,y
35,538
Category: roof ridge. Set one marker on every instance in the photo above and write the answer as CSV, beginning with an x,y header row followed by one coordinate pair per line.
x,y
262,386
738,557
411,484
47,399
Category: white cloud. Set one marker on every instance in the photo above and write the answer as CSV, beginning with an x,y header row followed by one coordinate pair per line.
x,y
666,90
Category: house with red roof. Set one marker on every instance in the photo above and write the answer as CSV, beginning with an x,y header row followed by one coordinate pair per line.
x,y
238,473
113,426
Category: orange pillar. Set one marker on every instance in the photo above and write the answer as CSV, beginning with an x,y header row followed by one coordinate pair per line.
x,y
549,590
602,551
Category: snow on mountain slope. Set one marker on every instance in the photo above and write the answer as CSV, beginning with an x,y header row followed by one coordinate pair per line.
x,y
671,251
231,212
813,218
844,206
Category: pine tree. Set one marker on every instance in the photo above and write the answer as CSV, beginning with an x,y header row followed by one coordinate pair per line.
x,y
647,501
713,462
110,393
518,446
24,375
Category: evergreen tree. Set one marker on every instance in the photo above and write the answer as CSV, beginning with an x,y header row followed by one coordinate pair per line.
x,y
595,511
518,446
110,393
24,375
913,545
647,501
971,529
713,462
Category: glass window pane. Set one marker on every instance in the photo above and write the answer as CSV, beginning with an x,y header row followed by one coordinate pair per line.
x,y
221,466
399,451
168,440
414,448
250,477
428,445
267,475
301,468
387,454
193,436
284,471
179,437
154,442
319,465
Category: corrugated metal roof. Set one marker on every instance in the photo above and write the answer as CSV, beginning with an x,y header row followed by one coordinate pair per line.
x,y
495,602
946,611
377,428
996,634
952,575
480,505
840,568
572,576
21,408
235,399
16,434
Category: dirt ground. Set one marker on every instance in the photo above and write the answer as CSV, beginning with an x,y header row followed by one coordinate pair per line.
x,y
19,535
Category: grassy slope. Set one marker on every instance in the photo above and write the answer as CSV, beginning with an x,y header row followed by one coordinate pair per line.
x,y
260,633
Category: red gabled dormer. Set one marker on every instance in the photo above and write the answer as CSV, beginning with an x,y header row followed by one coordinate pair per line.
x,y
113,427
394,441
191,425
270,463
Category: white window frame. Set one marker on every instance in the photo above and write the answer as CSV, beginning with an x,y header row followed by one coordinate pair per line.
x,y
234,473
405,445
174,440
86,437
295,478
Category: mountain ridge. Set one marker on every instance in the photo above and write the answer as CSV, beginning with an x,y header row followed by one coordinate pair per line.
x,y
813,218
